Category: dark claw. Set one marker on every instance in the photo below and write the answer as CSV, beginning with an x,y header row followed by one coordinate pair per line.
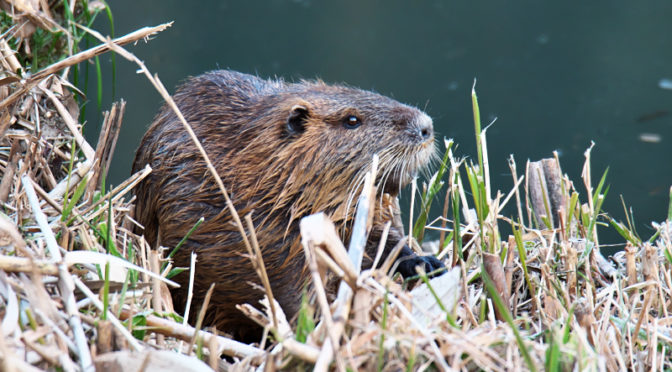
x,y
408,261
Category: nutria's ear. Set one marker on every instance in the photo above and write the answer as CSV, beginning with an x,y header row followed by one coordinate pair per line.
x,y
297,119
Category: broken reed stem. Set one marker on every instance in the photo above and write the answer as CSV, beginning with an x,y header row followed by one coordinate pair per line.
x,y
183,332
156,289
190,293
381,244
107,141
65,283
302,351
201,316
642,314
169,100
261,269
514,174
13,264
323,361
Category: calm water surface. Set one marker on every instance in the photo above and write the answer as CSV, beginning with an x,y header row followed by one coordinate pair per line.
x,y
555,75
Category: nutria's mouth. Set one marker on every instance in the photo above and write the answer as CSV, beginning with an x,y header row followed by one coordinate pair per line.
x,y
399,172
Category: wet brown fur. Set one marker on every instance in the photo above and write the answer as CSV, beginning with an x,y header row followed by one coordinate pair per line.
x,y
272,170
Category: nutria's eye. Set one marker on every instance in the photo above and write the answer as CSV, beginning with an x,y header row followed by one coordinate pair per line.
x,y
352,122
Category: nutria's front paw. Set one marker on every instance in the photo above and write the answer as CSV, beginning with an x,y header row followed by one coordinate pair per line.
x,y
408,261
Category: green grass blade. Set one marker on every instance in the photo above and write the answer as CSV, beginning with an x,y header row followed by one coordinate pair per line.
x,y
552,353
305,323
573,200
435,185
124,289
449,316
504,311
99,80
179,245
477,127
79,191
598,200
109,240
106,292
600,185
174,271
522,253
624,232
457,236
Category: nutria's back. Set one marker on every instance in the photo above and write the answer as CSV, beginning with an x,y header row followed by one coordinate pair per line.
x,y
284,151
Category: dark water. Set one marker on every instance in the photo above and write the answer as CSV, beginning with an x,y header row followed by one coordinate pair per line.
x,y
557,75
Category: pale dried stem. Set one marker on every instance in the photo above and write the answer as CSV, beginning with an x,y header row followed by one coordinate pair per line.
x,y
107,141
190,293
258,263
78,173
65,279
324,259
323,361
183,332
514,175
381,244
156,289
302,351
12,264
31,81
45,196
201,316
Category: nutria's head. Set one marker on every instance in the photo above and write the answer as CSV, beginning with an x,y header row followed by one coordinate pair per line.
x,y
347,126
312,144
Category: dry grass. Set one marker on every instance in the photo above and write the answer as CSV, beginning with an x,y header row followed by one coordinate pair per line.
x,y
76,284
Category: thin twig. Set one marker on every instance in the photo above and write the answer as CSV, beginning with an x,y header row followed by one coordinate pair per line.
x,y
261,269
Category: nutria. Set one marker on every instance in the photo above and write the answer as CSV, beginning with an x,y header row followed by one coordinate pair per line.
x,y
284,151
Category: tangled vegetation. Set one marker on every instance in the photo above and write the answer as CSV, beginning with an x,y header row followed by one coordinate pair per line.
x,y
80,291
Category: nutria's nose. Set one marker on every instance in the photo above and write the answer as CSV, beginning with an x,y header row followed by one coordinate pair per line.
x,y
425,127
